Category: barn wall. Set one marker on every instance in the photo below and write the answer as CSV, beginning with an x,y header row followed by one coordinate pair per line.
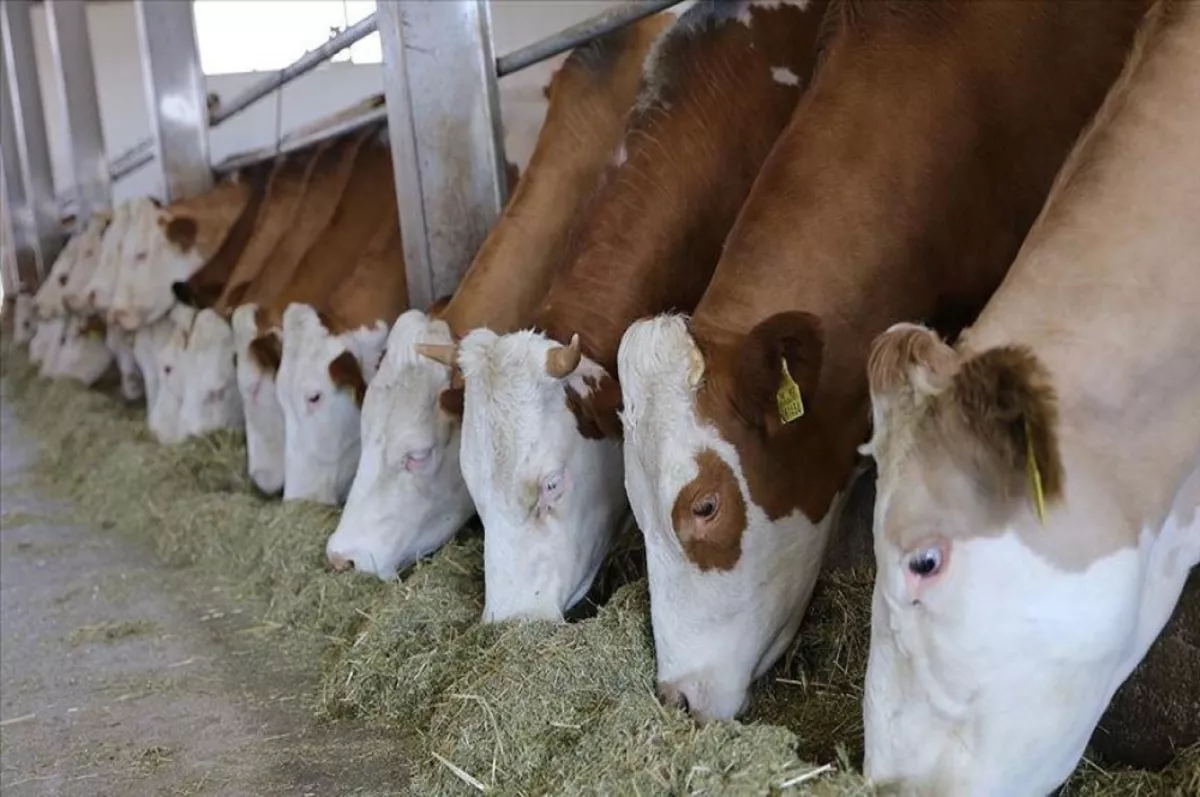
x,y
321,92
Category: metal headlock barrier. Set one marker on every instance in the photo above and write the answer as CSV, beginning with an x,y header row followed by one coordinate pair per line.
x,y
443,123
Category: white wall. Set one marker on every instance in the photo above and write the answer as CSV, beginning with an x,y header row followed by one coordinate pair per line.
x,y
324,91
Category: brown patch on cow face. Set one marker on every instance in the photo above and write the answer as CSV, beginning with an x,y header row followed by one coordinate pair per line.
x,y
709,515
267,351
596,412
181,231
451,402
802,464
347,375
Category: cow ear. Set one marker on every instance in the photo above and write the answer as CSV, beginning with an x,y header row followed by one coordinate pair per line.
x,y
1004,401
181,232
596,406
907,366
267,351
778,368
347,375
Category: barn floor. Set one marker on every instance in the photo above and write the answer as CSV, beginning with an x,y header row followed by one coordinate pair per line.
x,y
119,676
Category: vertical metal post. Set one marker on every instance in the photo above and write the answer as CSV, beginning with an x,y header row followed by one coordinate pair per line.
x,y
9,281
71,47
175,96
30,182
447,145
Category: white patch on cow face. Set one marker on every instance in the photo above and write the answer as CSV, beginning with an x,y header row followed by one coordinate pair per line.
x,y
46,340
120,343
148,342
550,499
321,419
143,293
714,631
408,497
83,356
24,319
990,677
784,76
745,17
210,397
260,403
124,250
172,376
102,232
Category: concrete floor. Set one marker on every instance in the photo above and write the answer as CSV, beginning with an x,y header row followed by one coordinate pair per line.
x,y
121,677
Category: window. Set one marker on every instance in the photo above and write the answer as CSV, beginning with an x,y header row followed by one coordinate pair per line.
x,y
266,35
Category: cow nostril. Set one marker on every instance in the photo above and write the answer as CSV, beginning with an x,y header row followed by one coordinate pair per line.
x,y
340,563
672,697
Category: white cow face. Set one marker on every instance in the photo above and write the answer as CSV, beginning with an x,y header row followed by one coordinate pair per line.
x,y
120,343
124,249
47,337
148,342
143,293
24,319
82,353
171,357
323,380
997,640
49,299
728,583
79,276
255,381
210,397
549,497
408,497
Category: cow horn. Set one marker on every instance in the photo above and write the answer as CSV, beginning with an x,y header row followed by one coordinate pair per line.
x,y
444,353
561,361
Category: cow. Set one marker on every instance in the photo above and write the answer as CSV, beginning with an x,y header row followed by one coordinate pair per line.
x,y
1038,504
80,352
125,241
165,343
63,290
359,165
395,514
902,188
541,451
184,235
330,357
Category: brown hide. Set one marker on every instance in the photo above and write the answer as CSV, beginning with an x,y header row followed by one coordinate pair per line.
x,y
205,220
204,288
368,201
312,216
284,189
708,116
376,289
902,189
589,98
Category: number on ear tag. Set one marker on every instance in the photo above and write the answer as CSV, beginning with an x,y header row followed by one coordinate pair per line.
x,y
788,398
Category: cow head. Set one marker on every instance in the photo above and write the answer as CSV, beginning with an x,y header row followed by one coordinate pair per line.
x,y
258,357
731,558
148,342
169,349
994,646
120,343
408,497
323,380
123,256
24,319
82,353
545,478
210,397
49,299
103,231
164,251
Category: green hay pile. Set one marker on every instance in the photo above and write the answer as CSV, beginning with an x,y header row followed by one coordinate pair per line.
x,y
519,709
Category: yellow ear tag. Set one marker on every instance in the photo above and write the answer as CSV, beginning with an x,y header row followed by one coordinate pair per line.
x,y
1035,477
95,334
788,398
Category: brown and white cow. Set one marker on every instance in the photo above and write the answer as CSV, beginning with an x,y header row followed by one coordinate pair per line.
x,y
541,449
909,175
1039,483
412,410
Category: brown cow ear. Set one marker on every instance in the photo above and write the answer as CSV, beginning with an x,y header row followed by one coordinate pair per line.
x,y
347,375
267,351
450,401
778,368
181,232
597,412
1004,400
437,308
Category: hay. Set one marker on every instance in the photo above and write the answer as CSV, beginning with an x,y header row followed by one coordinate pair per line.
x,y
527,708
111,631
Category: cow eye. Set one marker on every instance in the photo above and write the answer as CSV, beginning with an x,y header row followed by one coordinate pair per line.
x,y
419,455
313,399
62,279
551,487
926,562
706,507
167,370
